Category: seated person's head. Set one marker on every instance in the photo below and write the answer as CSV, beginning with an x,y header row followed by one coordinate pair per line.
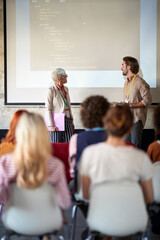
x,y
118,121
32,151
156,118
93,109
10,137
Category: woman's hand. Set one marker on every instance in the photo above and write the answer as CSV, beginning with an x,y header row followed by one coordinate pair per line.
x,y
53,129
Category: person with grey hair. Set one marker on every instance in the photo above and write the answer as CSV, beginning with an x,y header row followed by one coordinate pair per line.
x,y
58,101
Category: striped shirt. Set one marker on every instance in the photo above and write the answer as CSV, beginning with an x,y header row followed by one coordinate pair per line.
x,y
56,177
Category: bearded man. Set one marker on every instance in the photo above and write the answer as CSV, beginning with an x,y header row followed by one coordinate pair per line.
x,y
137,95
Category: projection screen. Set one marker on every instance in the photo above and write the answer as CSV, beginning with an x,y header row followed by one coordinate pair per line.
x,y
88,38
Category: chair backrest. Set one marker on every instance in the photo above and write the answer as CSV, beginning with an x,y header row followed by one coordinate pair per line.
x,y
156,182
61,151
117,209
32,212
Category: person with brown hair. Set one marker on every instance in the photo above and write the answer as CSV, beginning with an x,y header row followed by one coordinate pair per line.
x,y
32,164
8,143
92,111
153,150
137,95
113,160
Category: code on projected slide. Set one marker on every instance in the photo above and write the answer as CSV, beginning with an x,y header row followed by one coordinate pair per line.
x,y
83,35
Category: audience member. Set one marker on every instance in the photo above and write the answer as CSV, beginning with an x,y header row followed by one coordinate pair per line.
x,y
31,164
113,160
92,111
8,143
58,101
153,150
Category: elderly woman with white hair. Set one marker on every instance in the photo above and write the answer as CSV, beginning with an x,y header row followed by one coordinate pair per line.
x,y
58,101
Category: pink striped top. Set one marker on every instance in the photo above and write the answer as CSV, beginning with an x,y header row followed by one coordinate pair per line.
x,y
56,177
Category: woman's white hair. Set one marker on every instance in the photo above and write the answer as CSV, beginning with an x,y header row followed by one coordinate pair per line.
x,y
57,73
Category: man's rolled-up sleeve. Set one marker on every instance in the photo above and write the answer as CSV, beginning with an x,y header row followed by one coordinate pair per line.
x,y
145,94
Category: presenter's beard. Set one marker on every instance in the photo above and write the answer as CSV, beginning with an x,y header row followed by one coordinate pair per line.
x,y
124,74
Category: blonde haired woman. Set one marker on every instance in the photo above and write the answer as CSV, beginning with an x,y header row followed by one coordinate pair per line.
x,y
31,164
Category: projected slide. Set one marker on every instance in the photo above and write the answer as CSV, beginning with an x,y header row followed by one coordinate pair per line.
x,y
72,34
88,38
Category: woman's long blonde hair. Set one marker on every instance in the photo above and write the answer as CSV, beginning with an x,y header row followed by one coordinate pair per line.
x,y
32,151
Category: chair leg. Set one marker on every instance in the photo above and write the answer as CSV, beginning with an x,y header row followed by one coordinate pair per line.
x,y
60,237
90,237
4,238
0,209
65,232
40,237
74,214
7,235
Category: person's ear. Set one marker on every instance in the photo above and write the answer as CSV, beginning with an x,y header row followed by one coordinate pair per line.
x,y
129,67
60,77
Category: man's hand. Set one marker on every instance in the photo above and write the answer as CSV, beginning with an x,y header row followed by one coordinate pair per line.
x,y
53,129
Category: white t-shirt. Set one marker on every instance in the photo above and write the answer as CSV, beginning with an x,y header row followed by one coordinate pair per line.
x,y
104,162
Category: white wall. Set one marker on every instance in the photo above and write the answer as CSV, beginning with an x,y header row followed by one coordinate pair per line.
x,y
7,111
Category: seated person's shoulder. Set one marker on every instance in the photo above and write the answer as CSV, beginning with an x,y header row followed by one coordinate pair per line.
x,y
97,147
6,147
138,155
54,162
154,144
73,138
